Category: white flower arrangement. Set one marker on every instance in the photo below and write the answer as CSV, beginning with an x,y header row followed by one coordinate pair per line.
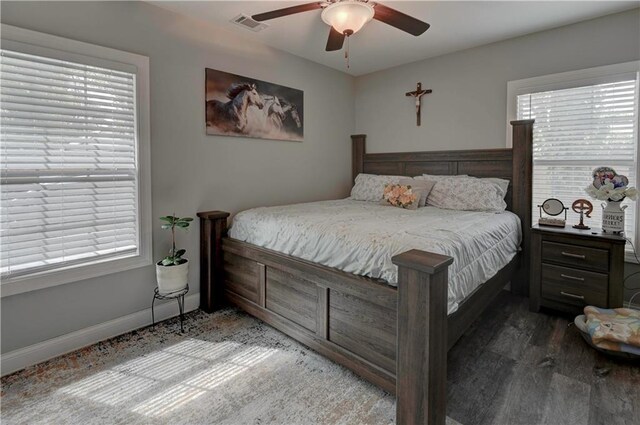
x,y
608,192
609,186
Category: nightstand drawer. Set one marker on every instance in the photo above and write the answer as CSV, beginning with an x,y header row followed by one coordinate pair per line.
x,y
572,286
576,256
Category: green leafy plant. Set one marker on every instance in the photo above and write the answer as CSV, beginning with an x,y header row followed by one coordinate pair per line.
x,y
175,256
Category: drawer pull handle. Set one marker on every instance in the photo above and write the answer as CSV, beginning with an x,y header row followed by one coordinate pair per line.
x,y
566,276
569,254
567,294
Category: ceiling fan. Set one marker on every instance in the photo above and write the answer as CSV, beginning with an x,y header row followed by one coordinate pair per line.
x,y
346,17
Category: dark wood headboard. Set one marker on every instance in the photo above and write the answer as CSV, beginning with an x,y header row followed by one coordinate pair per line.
x,y
514,164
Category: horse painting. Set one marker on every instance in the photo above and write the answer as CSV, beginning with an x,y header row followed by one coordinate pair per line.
x,y
232,115
293,113
274,113
245,107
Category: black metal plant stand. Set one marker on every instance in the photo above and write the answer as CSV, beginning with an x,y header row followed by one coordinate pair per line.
x,y
176,295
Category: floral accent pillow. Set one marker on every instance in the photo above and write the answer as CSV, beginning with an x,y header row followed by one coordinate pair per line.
x,y
424,186
370,187
467,195
401,196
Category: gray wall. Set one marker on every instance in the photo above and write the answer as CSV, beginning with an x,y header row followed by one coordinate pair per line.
x,y
467,109
190,171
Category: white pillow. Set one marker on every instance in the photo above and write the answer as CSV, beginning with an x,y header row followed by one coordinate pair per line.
x,y
467,195
370,187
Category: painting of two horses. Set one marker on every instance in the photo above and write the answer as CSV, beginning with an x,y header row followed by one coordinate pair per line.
x,y
246,107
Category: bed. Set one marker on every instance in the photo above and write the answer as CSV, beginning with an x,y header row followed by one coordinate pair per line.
x,y
361,237
298,269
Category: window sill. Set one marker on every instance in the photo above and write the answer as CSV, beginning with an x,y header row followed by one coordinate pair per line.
x,y
51,278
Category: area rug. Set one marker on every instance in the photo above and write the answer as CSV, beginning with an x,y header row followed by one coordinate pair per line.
x,y
226,368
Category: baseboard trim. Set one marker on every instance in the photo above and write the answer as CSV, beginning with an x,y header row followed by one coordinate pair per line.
x,y
21,358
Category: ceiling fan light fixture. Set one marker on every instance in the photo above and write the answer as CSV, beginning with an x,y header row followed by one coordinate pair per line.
x,y
348,16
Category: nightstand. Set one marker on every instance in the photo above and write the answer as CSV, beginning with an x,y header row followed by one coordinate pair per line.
x,y
572,268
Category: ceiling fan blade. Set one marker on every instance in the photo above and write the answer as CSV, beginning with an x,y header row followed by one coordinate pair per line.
x,y
399,20
335,41
286,11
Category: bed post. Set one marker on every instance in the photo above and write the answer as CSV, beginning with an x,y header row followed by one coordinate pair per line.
x,y
213,226
522,194
421,362
357,155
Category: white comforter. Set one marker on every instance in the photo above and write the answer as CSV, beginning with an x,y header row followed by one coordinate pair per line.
x,y
361,237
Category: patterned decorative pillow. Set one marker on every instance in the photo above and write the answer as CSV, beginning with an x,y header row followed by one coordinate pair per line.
x,y
370,187
501,184
467,195
436,177
401,196
424,186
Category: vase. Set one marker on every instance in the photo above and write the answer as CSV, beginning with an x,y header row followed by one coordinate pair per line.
x,y
613,217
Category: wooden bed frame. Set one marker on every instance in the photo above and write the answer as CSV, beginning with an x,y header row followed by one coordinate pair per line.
x,y
396,338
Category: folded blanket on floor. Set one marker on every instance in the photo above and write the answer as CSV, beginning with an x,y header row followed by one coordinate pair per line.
x,y
615,329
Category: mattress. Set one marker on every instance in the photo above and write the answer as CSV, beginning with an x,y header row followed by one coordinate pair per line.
x,y
360,237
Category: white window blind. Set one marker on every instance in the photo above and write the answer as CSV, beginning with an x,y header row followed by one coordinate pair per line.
x,y
69,164
576,130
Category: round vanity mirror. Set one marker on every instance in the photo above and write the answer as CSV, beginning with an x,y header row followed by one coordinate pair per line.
x,y
553,206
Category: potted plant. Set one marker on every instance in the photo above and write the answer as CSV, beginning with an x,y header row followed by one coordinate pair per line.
x,y
172,271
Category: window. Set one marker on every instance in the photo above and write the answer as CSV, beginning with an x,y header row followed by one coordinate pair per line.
x,y
581,124
71,164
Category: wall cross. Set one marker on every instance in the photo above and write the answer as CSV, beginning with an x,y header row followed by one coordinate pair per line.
x,y
418,93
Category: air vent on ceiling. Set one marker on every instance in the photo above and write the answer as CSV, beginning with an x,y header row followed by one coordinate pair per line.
x,y
248,23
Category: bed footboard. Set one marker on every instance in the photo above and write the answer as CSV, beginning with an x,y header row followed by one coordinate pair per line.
x,y
421,376
394,338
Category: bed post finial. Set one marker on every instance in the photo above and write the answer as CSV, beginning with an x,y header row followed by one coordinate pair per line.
x,y
421,360
522,196
357,156
213,226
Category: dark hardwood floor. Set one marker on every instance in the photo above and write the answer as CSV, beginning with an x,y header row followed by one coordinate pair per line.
x,y
517,367
513,367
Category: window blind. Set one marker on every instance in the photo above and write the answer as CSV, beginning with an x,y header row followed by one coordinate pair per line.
x,y
68,164
577,130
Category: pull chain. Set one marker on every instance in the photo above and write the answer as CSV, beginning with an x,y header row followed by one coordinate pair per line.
x,y
346,52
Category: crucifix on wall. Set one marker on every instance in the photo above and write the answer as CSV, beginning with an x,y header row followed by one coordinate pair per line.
x,y
418,93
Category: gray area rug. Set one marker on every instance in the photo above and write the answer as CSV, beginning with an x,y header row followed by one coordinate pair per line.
x,y
227,368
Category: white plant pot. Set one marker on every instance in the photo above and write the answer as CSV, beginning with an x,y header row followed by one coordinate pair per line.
x,y
172,278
